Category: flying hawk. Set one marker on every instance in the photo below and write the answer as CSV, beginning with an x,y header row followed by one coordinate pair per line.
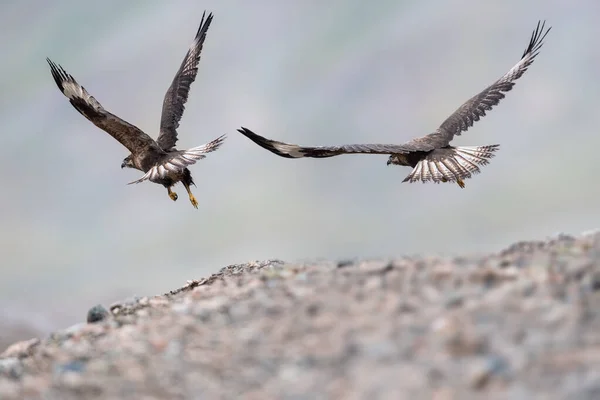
x,y
160,160
431,156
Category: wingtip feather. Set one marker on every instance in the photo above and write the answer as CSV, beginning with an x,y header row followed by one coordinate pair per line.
x,y
204,24
537,39
58,73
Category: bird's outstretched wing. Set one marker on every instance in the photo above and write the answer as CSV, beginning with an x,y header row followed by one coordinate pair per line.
x,y
288,150
475,108
461,120
176,161
177,95
128,135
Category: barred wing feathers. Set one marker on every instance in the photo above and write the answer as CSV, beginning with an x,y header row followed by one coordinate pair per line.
x,y
177,94
130,136
175,162
477,106
288,150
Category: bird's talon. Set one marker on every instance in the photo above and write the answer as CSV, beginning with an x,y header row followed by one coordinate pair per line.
x,y
193,201
173,196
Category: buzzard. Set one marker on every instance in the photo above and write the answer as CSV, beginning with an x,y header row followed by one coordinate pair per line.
x,y
431,156
159,159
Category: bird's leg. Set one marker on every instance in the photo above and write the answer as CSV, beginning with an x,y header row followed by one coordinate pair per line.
x,y
192,198
460,182
172,194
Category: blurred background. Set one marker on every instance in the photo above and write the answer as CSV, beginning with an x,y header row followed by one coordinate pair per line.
x,y
73,234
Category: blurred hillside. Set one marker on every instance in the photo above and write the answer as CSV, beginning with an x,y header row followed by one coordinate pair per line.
x,y
521,323
303,73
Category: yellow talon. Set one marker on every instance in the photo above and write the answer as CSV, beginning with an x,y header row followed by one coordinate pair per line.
x,y
194,201
172,194
192,198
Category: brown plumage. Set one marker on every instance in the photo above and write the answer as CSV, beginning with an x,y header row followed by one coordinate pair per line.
x,y
431,156
161,162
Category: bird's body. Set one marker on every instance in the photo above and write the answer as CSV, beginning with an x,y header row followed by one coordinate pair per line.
x,y
161,162
444,163
431,157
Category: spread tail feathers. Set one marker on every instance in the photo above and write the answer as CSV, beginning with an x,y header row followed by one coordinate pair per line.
x,y
180,160
451,164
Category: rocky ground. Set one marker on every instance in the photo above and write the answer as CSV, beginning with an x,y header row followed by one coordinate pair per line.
x,y
520,324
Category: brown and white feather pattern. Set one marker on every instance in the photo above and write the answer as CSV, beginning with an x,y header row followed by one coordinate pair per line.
x,y
476,107
178,92
451,164
432,156
289,150
130,136
177,161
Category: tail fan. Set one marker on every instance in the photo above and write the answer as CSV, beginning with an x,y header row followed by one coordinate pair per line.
x,y
452,164
180,160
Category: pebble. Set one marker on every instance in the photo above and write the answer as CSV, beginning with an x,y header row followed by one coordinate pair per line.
x,y
484,369
11,367
97,313
21,349
523,321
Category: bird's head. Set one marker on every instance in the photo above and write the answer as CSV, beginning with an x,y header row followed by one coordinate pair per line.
x,y
397,159
127,162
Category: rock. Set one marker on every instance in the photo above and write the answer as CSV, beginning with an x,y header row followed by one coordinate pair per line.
x,y
21,349
519,324
97,313
11,367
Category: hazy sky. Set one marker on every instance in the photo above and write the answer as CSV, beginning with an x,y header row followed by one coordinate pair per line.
x,y
299,72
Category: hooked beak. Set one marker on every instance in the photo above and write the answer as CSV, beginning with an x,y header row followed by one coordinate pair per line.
x,y
123,165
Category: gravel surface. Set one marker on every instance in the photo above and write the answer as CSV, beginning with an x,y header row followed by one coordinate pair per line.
x,y
520,324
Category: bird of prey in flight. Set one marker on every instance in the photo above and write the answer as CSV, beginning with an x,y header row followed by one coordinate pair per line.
x,y
431,156
159,159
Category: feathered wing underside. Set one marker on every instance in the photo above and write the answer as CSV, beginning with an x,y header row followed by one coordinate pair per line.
x,y
451,164
177,161
127,134
458,122
177,94
477,106
288,150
